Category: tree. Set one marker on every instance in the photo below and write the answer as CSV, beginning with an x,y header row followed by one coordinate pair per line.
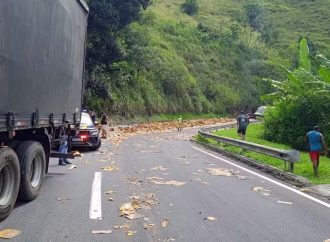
x,y
106,19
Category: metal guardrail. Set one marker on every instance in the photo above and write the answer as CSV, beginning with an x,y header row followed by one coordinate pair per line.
x,y
290,156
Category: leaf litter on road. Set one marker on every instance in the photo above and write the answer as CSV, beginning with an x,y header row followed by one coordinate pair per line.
x,y
110,192
125,226
148,226
172,182
101,231
262,190
283,202
221,172
134,216
128,210
210,218
9,233
161,168
62,199
72,167
130,233
164,223
112,167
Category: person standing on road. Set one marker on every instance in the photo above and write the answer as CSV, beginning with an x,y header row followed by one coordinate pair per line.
x,y
93,116
104,123
242,123
63,150
180,123
315,141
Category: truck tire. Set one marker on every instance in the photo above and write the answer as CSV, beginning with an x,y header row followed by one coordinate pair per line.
x,y
9,181
32,160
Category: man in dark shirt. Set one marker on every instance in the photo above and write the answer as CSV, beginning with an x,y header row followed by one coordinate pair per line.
x,y
242,123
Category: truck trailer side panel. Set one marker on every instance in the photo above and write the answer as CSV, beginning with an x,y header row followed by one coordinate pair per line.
x,y
41,59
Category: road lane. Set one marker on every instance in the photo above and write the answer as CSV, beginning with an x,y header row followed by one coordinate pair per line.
x,y
242,214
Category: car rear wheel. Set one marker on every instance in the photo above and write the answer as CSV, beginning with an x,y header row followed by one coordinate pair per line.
x,y
98,145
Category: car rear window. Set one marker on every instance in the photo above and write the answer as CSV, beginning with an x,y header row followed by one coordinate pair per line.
x,y
86,121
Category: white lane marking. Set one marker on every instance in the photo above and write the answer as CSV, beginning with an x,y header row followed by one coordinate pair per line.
x,y
95,210
266,178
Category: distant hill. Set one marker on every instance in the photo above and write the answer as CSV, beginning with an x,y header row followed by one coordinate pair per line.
x,y
213,61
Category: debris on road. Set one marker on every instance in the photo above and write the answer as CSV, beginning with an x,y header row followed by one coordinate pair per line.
x,y
134,216
155,178
101,231
241,177
151,127
283,202
164,223
126,209
72,167
135,204
112,167
159,168
161,182
221,172
125,226
110,192
9,233
210,218
130,233
261,190
62,199
148,226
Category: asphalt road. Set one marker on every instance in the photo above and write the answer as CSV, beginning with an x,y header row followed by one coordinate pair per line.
x,y
65,207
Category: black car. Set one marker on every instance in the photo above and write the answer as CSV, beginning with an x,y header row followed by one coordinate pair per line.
x,y
87,135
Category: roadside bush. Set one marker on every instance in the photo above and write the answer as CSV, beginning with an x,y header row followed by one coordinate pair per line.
x,y
301,102
190,7
289,120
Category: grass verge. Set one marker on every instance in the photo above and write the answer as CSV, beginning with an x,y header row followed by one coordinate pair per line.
x,y
255,135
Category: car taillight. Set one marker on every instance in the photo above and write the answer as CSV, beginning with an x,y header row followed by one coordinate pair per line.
x,y
83,137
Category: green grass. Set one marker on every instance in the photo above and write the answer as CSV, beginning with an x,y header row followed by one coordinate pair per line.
x,y
255,135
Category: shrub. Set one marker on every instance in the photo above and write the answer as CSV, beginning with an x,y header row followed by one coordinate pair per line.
x,y
190,7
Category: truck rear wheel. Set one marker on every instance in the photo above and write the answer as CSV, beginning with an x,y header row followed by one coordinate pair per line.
x,y
32,160
9,181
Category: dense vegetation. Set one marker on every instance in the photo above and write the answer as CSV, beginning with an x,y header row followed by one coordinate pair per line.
x,y
188,56
301,102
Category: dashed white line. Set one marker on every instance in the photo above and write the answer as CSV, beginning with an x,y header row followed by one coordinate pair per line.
x,y
95,210
267,178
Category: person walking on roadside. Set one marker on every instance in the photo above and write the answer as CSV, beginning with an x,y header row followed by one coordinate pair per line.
x,y
315,141
104,123
180,123
242,123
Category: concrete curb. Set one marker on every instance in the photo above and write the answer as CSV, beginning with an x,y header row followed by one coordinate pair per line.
x,y
291,178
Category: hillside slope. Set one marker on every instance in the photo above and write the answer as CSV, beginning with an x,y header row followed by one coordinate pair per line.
x,y
213,61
